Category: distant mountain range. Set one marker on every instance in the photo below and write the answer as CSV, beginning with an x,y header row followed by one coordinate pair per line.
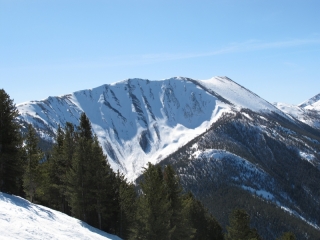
x,y
230,147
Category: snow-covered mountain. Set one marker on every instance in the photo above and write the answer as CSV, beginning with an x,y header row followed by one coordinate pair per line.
x,y
312,104
307,112
262,162
20,219
138,121
230,147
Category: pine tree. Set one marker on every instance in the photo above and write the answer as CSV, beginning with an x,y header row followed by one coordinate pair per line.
x,y
153,208
100,192
66,145
179,224
33,156
78,179
89,178
122,205
54,171
206,227
84,129
127,197
239,228
11,167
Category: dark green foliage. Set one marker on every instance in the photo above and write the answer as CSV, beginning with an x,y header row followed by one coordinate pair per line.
x,y
179,221
55,168
205,226
100,186
127,197
153,209
164,212
94,192
122,206
84,129
53,171
33,156
239,228
11,166
287,236
76,179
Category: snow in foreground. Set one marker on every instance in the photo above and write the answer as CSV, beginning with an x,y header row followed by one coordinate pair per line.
x,y
20,219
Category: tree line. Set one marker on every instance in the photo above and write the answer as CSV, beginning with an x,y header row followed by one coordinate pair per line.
x,y
76,178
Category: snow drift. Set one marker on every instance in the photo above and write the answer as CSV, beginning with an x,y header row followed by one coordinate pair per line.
x,y
20,219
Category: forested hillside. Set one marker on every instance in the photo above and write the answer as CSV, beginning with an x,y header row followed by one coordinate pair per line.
x,y
244,161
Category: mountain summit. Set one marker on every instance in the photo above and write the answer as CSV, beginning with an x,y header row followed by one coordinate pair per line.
x,y
137,121
230,147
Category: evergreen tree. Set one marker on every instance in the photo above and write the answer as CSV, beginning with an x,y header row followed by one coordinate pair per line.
x,y
84,129
181,228
122,206
205,225
33,156
163,212
54,171
78,178
100,192
63,156
89,179
11,167
153,208
239,228
127,201
68,145
214,229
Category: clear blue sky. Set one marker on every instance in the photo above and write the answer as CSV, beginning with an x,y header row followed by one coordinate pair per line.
x,y
55,47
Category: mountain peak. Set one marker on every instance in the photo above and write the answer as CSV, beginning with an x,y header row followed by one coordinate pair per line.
x,y
138,120
312,103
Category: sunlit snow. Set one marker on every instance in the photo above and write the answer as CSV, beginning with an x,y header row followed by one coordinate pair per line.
x,y
139,121
20,219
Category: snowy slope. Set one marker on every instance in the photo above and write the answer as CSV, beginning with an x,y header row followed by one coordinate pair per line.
x,y
307,112
312,104
238,95
20,219
136,120
139,121
247,158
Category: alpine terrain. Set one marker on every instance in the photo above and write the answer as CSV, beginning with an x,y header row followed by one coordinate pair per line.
x,y
21,219
230,147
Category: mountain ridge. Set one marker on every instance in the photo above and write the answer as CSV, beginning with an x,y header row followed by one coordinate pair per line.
x,y
152,104
221,138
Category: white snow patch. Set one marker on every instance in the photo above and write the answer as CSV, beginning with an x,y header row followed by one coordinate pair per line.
x,y
299,216
261,193
20,219
263,118
307,156
238,95
247,116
